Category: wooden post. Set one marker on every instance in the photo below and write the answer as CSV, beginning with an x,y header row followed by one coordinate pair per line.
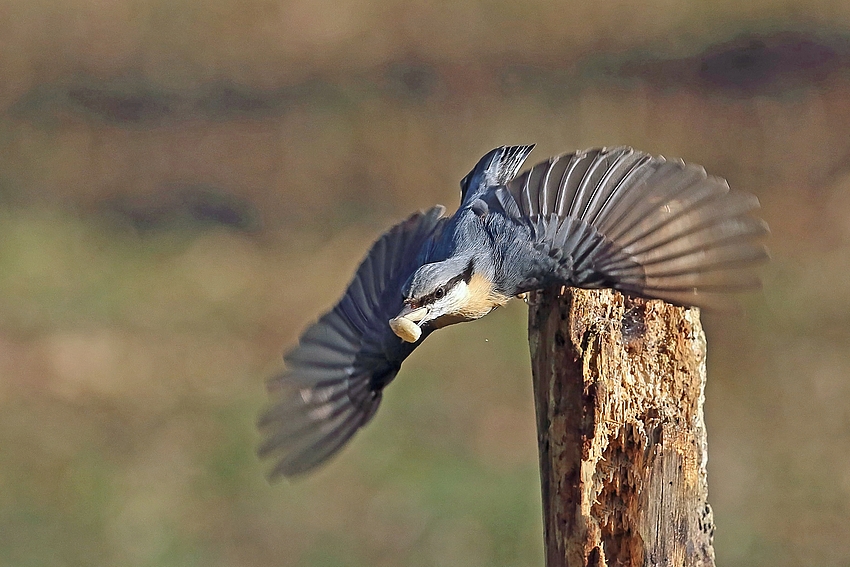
x,y
618,387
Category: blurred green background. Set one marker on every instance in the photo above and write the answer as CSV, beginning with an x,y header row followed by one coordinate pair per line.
x,y
185,185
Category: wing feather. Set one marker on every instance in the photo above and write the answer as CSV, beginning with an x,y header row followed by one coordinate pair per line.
x,y
334,377
646,225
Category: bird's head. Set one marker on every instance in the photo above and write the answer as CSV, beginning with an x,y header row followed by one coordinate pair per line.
x,y
443,293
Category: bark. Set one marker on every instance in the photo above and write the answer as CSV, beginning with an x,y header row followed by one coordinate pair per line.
x,y
618,387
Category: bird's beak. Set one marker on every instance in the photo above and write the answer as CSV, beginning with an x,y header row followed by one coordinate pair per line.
x,y
404,325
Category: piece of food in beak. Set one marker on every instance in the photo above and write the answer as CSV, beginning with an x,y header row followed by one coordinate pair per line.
x,y
405,329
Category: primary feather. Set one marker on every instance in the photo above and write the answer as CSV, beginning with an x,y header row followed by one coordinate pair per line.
x,y
334,377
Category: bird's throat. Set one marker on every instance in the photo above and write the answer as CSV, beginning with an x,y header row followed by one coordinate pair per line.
x,y
481,298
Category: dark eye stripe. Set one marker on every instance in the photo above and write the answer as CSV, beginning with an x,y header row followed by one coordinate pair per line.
x,y
440,292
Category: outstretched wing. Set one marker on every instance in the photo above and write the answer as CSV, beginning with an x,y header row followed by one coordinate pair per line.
x,y
334,377
644,225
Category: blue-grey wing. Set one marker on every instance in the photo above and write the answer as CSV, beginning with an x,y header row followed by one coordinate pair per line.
x,y
334,377
641,224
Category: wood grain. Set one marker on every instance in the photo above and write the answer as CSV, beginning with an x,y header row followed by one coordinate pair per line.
x,y
618,386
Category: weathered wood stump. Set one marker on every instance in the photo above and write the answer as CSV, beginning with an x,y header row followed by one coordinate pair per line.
x,y
618,386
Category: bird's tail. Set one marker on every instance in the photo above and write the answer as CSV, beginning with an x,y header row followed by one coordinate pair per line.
x,y
496,168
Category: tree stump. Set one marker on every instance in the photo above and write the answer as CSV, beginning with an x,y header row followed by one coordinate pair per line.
x,y
618,387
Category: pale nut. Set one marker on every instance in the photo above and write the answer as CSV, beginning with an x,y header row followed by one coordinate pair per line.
x,y
405,329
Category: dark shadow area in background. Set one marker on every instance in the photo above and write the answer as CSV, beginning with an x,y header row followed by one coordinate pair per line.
x,y
752,64
182,206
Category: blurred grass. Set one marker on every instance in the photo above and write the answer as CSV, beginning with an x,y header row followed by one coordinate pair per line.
x,y
184,186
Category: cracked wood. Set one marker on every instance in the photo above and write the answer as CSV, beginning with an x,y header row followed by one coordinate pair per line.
x,y
618,386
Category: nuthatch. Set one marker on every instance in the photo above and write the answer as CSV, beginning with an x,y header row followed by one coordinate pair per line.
x,y
615,218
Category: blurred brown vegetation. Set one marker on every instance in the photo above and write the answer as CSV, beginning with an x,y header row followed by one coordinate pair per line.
x,y
185,185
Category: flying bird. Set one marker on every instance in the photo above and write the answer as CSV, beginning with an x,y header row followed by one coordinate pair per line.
x,y
600,218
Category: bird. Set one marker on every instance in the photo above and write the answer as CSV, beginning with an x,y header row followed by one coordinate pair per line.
x,y
616,218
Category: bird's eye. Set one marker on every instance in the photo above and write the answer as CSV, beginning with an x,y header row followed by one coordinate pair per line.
x,y
439,293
